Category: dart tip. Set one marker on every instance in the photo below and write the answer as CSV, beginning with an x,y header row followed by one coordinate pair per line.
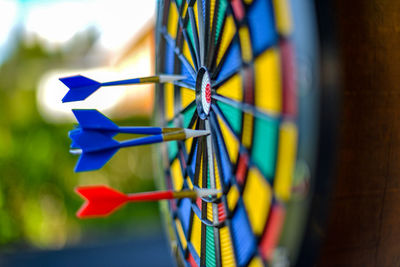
x,y
205,192
195,133
171,78
75,151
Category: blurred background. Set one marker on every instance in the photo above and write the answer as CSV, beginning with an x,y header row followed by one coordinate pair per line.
x,y
41,41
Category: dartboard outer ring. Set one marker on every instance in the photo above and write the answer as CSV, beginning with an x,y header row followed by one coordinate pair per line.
x,y
253,80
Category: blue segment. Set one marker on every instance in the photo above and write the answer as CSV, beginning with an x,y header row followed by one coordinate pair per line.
x,y
261,22
192,166
91,141
169,58
222,154
184,210
186,72
94,160
80,88
231,64
204,11
244,242
93,119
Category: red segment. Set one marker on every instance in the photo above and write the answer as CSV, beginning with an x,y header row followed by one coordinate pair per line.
x,y
248,86
238,9
221,212
208,93
272,232
288,78
198,202
242,168
192,261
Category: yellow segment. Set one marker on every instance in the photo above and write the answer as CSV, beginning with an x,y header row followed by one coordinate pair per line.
x,y
283,17
196,16
185,6
245,44
247,134
227,34
257,198
231,142
232,88
176,172
173,20
268,89
286,160
227,254
200,182
186,53
187,96
169,100
210,212
232,197
188,142
216,174
212,11
256,262
195,236
180,233
189,181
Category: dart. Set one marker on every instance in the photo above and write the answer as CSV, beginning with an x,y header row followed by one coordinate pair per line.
x,y
91,119
81,87
96,147
102,200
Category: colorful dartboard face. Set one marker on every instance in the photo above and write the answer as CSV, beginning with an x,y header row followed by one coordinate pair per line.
x,y
239,59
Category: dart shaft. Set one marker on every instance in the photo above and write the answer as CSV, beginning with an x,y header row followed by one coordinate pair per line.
x,y
161,195
151,79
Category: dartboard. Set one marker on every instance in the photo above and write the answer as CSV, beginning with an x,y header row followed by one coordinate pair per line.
x,y
250,70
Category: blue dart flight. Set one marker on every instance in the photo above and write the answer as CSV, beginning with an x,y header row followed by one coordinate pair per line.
x,y
81,87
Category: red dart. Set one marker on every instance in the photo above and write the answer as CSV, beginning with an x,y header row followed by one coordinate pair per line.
x,y
102,200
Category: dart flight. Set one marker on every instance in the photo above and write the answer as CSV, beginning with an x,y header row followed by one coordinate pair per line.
x,y
81,87
93,138
102,200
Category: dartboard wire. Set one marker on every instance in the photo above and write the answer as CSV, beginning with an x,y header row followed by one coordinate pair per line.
x,y
202,38
252,110
186,85
176,116
242,148
193,23
182,24
212,45
216,70
210,154
181,57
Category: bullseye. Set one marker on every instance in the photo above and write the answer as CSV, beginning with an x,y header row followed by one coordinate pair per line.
x,y
203,93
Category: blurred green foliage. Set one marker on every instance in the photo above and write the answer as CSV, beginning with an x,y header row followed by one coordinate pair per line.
x,y
37,201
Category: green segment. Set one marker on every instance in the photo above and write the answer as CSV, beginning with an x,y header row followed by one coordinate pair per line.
x,y
265,146
178,3
188,115
233,115
220,18
210,247
172,145
190,33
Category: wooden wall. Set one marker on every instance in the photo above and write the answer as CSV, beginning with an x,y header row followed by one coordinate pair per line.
x,y
364,223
